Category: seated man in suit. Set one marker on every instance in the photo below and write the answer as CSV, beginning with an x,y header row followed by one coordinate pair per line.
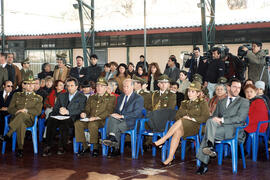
x,y
128,108
230,113
5,98
24,106
98,108
69,104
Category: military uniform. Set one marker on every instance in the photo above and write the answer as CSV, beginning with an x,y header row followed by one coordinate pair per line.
x,y
20,121
197,110
96,106
25,74
163,101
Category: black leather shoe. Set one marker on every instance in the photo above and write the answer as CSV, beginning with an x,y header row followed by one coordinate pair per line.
x,y
83,152
110,141
95,153
210,151
46,151
61,151
19,153
114,153
202,170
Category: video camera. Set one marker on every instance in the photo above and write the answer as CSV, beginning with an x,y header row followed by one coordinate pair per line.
x,y
241,53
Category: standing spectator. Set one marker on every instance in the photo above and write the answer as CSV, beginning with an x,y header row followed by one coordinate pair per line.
x,y
49,84
172,72
131,70
141,63
93,71
141,73
256,62
61,73
234,67
183,82
113,72
18,76
78,72
3,70
106,72
121,75
25,71
10,70
197,64
46,71
215,70
5,98
258,110
153,75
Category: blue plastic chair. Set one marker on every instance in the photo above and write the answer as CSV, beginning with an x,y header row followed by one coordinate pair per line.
x,y
41,126
133,135
234,148
102,131
143,132
33,130
254,137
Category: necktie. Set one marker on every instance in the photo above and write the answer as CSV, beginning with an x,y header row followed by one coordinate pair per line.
x,y
230,101
125,102
79,70
6,96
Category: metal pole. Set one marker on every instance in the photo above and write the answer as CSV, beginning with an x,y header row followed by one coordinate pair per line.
x,y
213,27
83,34
93,27
2,26
144,42
204,26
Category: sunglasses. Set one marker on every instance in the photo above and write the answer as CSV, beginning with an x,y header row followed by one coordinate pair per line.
x,y
9,86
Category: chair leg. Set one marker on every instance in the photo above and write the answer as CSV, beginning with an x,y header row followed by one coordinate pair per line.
x,y
75,146
133,144
103,136
234,153
220,153
254,147
183,149
248,145
243,155
197,147
138,145
34,139
163,151
266,146
122,144
154,149
14,138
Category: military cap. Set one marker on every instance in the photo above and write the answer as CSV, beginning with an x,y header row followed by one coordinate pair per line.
x,y
28,80
61,56
138,79
195,85
102,81
164,78
198,77
26,61
222,80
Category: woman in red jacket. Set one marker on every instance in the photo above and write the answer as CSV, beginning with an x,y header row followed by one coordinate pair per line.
x,y
257,110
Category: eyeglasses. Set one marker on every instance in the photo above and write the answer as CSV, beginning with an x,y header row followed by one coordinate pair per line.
x,y
9,86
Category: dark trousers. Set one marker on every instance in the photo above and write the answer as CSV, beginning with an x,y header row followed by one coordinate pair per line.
x,y
2,121
63,125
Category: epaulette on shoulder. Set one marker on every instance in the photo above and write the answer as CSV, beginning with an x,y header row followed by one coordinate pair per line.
x,y
146,91
172,92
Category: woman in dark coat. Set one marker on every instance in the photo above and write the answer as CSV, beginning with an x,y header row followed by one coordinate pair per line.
x,y
46,71
190,115
153,75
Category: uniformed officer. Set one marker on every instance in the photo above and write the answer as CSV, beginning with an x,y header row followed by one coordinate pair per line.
x,y
25,71
24,106
163,98
98,107
138,88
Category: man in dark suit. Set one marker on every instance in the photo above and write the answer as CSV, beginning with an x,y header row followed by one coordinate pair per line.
x,y
172,71
128,108
5,98
197,64
93,70
231,112
69,104
78,72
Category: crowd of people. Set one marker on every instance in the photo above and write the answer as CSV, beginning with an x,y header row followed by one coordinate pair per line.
x,y
214,91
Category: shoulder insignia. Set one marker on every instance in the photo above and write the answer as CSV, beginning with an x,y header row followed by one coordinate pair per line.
x,y
146,91
172,92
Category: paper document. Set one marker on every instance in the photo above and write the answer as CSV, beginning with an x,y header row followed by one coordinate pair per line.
x,y
60,117
84,119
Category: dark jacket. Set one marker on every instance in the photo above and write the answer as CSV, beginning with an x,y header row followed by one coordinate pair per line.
x,y
74,72
44,74
202,69
155,83
142,64
172,74
215,70
234,67
42,93
132,110
11,73
4,103
75,107
93,72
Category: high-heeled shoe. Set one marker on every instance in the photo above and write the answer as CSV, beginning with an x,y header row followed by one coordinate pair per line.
x,y
159,146
167,165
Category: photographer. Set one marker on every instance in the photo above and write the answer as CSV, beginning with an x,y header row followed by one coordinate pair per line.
x,y
234,67
196,64
215,70
256,62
